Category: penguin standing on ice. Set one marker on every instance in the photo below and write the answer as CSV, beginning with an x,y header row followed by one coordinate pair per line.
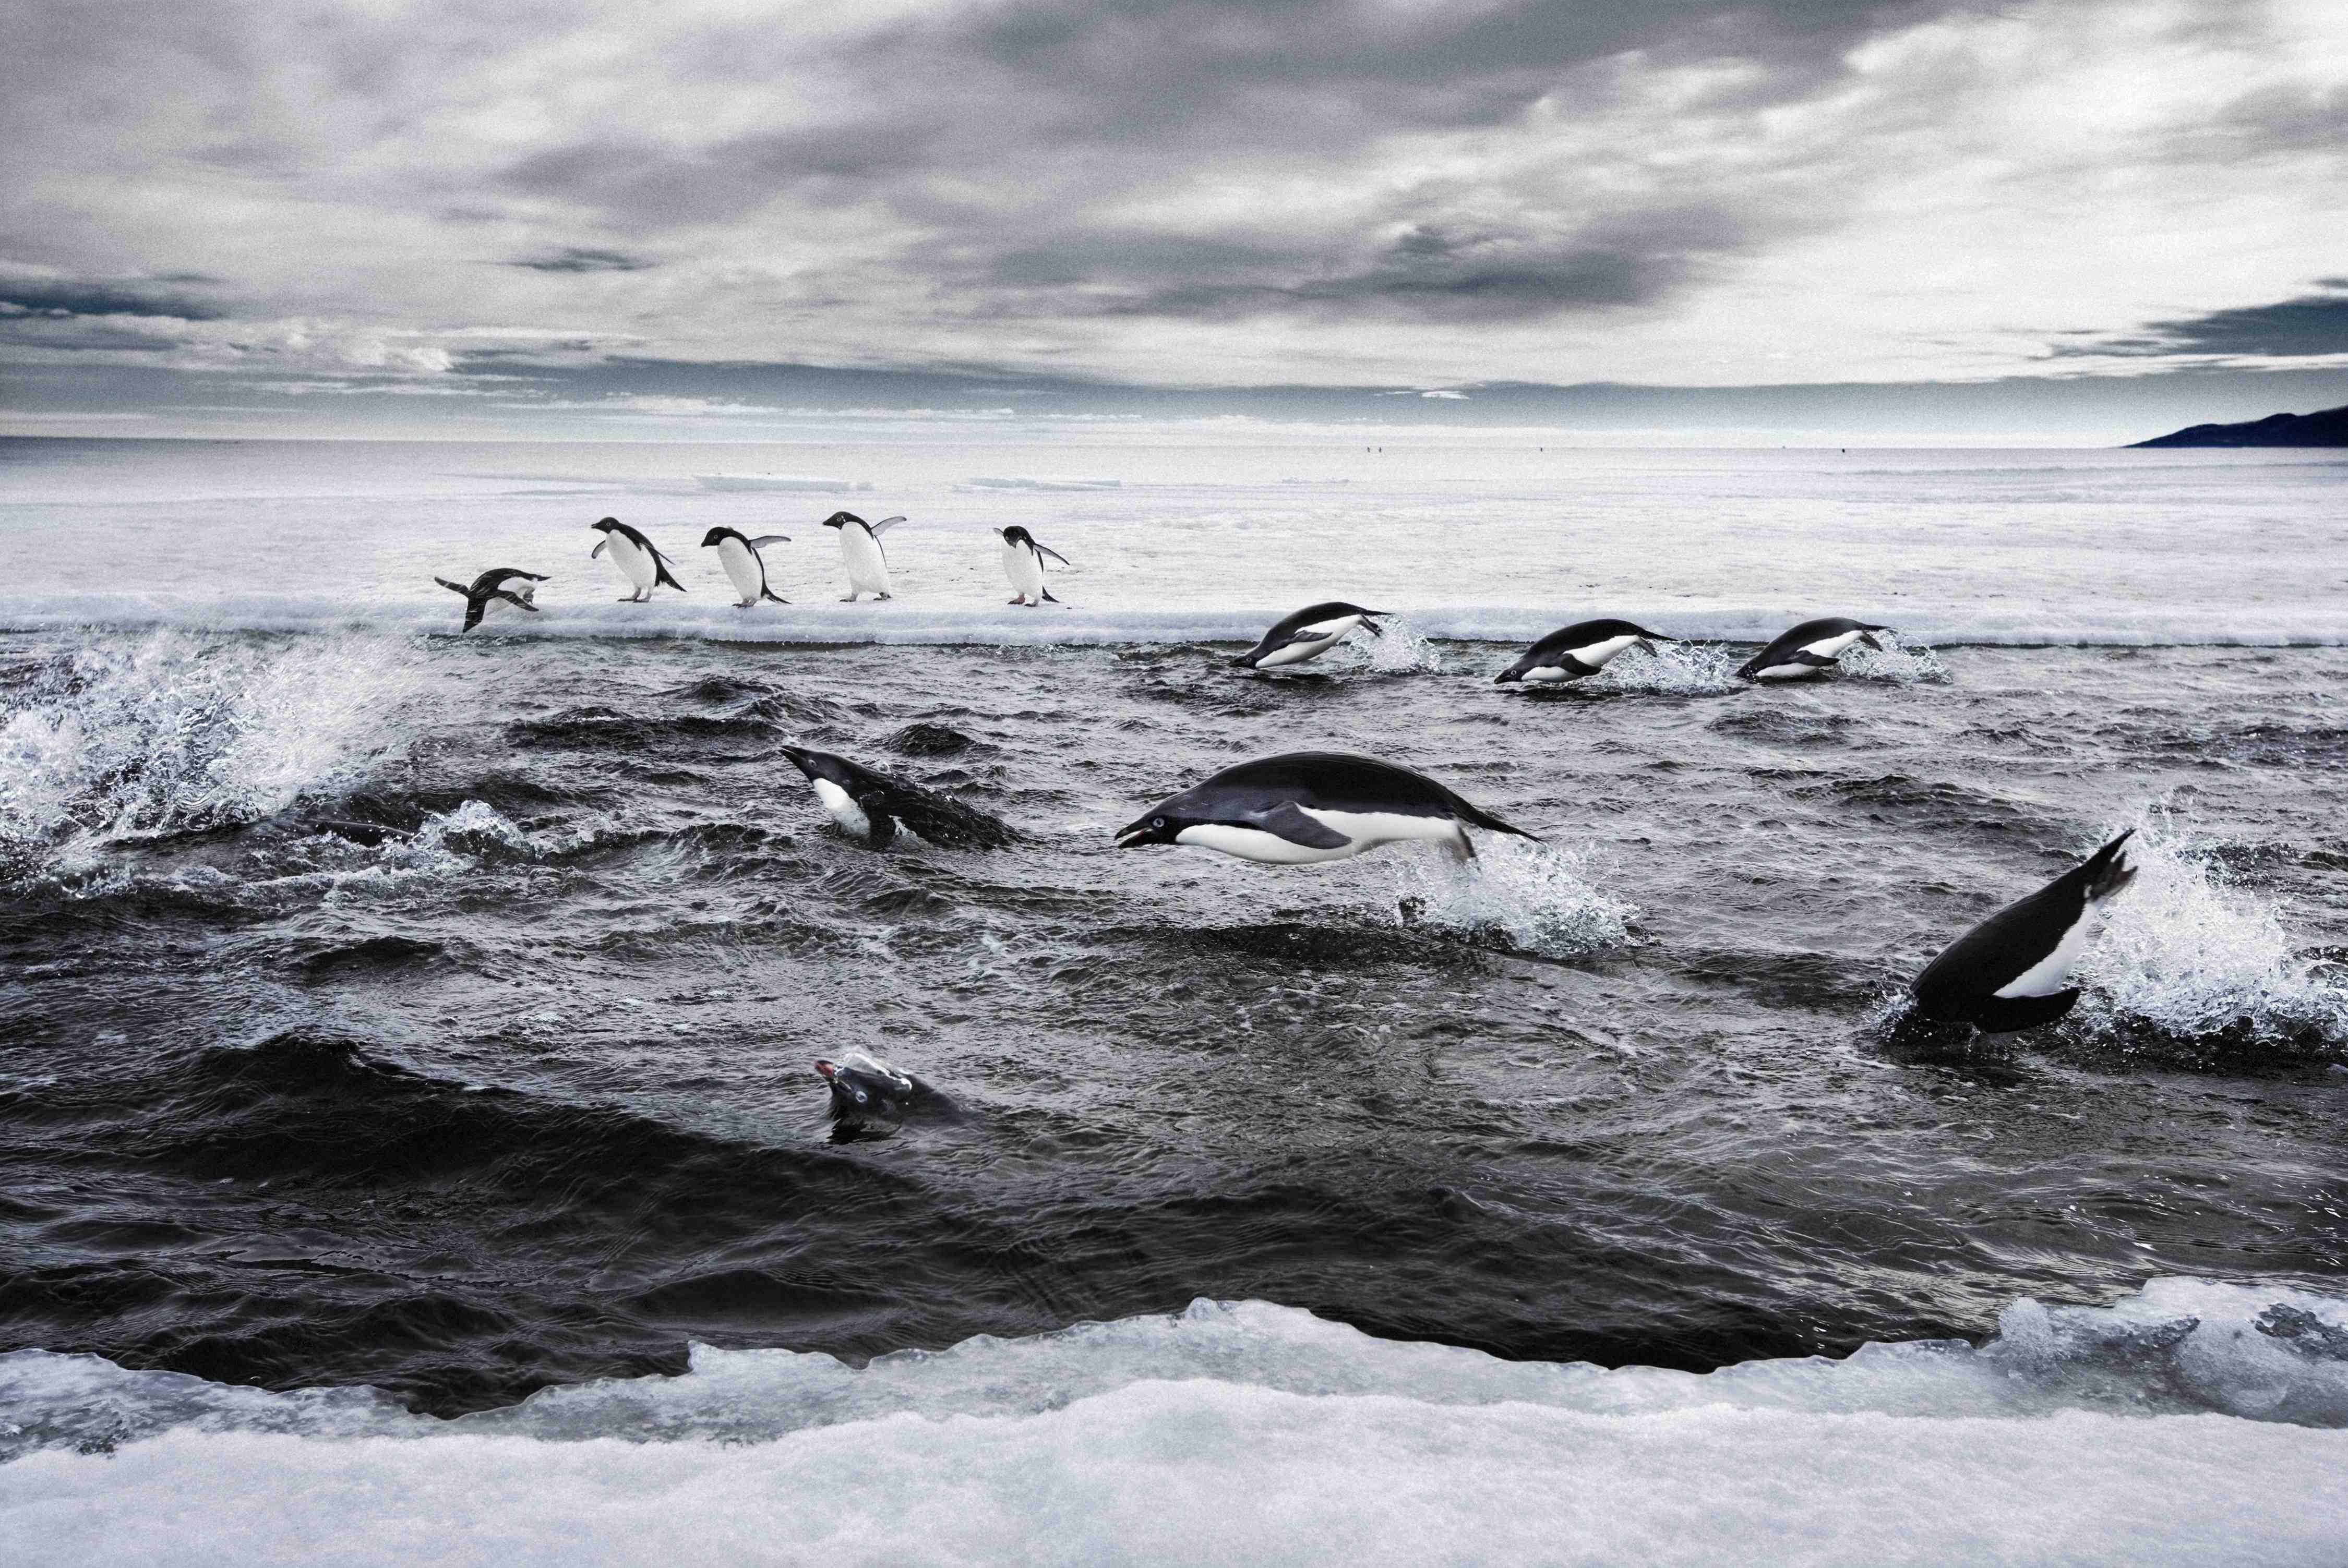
x,y
1310,806
1309,633
637,561
2009,972
745,567
1809,649
1022,563
492,584
1576,652
860,550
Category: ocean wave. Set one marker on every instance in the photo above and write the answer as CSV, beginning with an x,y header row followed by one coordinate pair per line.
x,y
911,620
1517,895
2175,1424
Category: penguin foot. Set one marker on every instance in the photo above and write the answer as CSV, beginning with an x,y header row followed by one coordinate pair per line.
x,y
884,596
850,599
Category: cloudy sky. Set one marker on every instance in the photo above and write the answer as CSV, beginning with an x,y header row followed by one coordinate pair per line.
x,y
714,216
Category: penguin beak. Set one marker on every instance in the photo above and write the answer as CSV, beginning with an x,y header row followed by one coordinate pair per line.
x,y
1138,836
827,1069
1504,676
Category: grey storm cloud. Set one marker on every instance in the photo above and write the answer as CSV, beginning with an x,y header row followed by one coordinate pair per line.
x,y
2297,328
64,297
576,259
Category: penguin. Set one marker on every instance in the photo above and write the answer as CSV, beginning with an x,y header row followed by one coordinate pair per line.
x,y
1310,806
1809,649
738,554
491,585
1309,633
871,1098
636,558
859,547
1022,563
1578,650
2008,972
870,806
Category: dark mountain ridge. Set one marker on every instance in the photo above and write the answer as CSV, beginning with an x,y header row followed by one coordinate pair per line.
x,y
2328,428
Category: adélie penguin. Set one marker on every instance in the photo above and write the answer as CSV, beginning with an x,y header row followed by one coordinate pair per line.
x,y
637,561
2010,971
1022,563
1810,648
869,806
861,551
745,567
492,584
871,1098
1309,633
1305,807
1573,652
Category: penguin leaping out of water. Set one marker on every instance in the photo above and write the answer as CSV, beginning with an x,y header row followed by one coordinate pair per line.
x,y
2010,971
1576,652
1310,806
745,567
1809,649
637,561
492,584
1309,633
1022,563
860,549
870,806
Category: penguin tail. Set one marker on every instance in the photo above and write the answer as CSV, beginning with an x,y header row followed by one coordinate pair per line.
x,y
1047,597
1469,812
764,592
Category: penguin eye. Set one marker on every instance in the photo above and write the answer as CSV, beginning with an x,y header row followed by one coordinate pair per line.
x,y
860,1097
1157,822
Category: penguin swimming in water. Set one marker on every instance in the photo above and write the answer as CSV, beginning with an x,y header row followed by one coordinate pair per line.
x,y
1022,563
492,584
1573,652
860,549
738,554
1309,633
1310,806
1810,648
871,1098
636,559
2008,972
869,806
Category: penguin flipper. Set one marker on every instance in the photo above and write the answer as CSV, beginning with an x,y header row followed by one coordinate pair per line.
x,y
876,812
763,540
512,598
599,548
2004,1015
883,525
1288,821
474,609
1048,551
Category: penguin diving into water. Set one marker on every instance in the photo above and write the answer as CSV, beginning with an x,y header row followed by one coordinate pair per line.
x,y
1022,563
1310,806
2009,972
745,567
492,584
869,806
1810,648
1576,652
636,559
860,550
1309,633
871,1098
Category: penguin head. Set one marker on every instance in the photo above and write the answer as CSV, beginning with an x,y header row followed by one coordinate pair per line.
x,y
1015,534
1164,820
866,1093
718,535
606,526
841,519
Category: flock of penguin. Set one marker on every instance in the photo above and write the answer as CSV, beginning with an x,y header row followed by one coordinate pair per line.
x,y
2010,972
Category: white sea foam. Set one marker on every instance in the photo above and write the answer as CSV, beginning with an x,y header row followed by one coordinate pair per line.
x,y
2152,1430
1899,663
2189,955
1532,898
1673,670
1399,649
169,731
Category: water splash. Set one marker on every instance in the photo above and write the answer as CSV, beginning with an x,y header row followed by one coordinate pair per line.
x,y
1673,670
1402,650
1898,663
178,732
2187,954
1518,895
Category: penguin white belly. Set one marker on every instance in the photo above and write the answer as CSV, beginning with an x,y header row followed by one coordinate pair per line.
x,y
1311,641
868,568
844,808
1264,848
1363,830
2053,972
1597,655
1024,567
635,564
1789,673
742,569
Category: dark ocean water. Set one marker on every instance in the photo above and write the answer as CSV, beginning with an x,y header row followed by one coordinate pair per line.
x,y
440,1015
